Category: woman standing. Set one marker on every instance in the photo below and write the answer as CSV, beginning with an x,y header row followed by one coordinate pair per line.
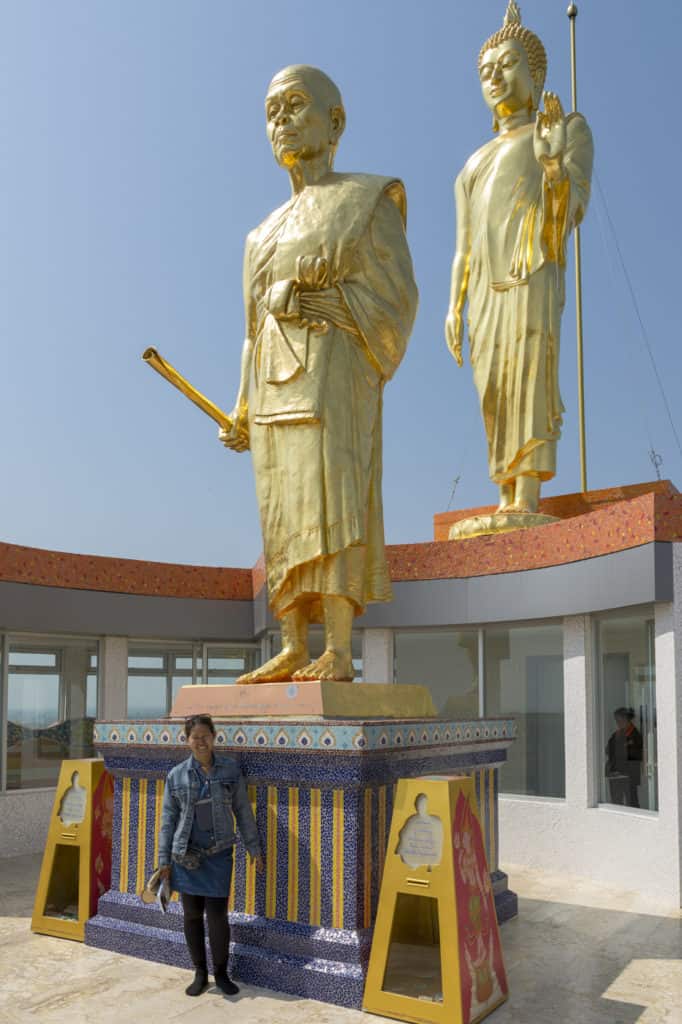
x,y
624,752
196,845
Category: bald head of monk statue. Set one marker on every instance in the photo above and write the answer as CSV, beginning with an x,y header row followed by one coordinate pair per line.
x,y
305,120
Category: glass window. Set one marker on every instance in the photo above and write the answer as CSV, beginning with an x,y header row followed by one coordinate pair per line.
x,y
524,677
225,664
91,695
38,658
154,677
626,710
51,705
446,662
150,661
147,696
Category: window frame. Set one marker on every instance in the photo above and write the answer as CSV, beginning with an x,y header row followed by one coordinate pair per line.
x,y
34,641
198,650
648,615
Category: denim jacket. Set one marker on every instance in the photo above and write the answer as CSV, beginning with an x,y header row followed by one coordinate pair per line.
x,y
228,797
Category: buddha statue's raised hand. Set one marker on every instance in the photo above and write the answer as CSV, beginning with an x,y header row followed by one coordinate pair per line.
x,y
549,140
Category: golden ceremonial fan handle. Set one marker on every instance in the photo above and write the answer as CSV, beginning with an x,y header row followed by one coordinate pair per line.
x,y
158,363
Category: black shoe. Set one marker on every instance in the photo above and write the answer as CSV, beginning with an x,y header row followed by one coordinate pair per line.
x,y
200,983
225,984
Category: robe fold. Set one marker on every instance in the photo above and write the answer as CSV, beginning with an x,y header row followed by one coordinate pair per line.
x,y
315,395
517,236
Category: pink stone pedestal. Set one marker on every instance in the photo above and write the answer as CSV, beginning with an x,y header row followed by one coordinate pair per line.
x,y
319,699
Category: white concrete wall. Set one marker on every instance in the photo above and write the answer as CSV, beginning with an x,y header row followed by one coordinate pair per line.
x,y
377,655
24,820
633,850
113,678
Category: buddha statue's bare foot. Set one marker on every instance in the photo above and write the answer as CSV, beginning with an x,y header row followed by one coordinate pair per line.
x,y
506,497
526,494
331,665
279,669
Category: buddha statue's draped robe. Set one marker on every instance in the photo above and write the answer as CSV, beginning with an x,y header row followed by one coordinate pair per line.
x,y
315,395
518,226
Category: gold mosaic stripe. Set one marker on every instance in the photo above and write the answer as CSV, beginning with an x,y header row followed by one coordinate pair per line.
x,y
315,855
141,834
230,902
337,859
250,870
125,834
292,880
271,859
367,861
491,819
381,828
158,801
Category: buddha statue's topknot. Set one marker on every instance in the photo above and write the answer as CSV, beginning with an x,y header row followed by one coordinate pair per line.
x,y
535,51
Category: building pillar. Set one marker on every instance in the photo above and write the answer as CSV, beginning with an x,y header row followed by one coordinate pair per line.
x,y
668,627
113,678
377,656
579,740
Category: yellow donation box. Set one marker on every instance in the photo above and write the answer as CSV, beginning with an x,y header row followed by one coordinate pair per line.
x,y
76,868
436,953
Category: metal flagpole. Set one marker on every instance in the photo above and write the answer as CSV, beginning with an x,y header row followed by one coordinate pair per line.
x,y
572,13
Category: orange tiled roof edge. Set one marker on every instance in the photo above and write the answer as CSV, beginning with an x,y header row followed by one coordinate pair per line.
x,y
45,568
640,515
565,506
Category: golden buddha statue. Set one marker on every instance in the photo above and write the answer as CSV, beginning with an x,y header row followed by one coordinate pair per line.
x,y
518,197
330,301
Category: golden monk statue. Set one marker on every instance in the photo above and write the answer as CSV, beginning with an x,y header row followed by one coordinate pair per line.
x,y
518,197
330,302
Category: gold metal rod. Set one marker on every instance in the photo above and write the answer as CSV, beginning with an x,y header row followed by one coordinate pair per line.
x,y
572,13
158,363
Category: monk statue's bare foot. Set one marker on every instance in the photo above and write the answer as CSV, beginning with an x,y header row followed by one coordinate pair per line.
x,y
279,669
331,665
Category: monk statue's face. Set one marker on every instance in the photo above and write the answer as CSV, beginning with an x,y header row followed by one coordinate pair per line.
x,y
506,81
301,124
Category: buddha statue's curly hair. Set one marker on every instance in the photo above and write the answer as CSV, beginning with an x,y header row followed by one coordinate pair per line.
x,y
535,51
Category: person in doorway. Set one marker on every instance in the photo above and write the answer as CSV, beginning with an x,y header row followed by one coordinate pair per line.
x,y
202,797
624,752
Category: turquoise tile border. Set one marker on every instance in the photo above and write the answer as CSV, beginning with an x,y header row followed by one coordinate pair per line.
x,y
283,734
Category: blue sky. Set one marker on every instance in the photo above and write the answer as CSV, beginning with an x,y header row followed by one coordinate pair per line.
x,y
133,161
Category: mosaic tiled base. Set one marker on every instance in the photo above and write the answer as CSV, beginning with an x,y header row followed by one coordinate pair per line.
x,y
323,809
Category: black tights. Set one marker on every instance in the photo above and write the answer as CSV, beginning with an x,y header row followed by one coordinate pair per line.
x,y
218,930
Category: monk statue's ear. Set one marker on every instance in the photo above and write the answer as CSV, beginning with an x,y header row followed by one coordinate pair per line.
x,y
337,118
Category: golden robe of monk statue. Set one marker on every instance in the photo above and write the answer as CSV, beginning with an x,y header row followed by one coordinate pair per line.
x,y
330,301
518,197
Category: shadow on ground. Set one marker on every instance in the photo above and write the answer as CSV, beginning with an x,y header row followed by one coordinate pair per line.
x,y
567,964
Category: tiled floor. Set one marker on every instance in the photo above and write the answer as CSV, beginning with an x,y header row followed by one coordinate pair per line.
x,y
576,954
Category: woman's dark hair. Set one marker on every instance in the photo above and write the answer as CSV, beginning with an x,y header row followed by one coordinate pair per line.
x,y
624,713
194,720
